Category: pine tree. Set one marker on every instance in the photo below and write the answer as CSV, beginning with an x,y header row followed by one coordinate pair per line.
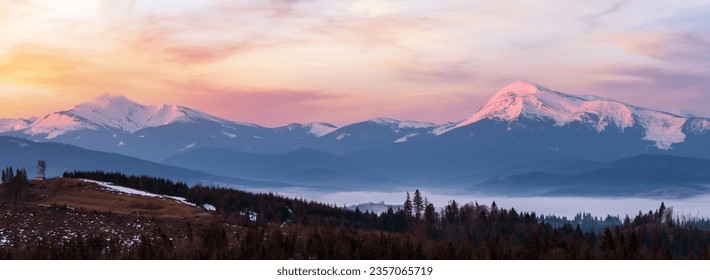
x,y
15,184
7,175
430,215
661,211
418,204
608,245
451,212
407,206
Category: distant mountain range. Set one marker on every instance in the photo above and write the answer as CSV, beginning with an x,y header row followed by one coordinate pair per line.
x,y
523,124
644,175
113,123
22,153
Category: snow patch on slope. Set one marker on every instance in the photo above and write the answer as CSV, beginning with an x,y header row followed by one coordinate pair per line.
x,y
402,124
188,146
230,135
664,129
320,129
317,129
441,129
405,138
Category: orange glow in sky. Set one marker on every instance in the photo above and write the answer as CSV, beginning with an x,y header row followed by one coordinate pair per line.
x,y
282,61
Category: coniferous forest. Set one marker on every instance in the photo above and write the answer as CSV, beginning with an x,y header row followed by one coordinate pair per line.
x,y
267,226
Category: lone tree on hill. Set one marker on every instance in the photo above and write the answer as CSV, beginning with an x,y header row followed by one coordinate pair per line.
x,y
41,168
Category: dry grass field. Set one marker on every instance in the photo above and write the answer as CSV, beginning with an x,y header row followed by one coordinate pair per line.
x,y
88,196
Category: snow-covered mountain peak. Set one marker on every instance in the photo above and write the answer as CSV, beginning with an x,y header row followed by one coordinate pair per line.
x,y
108,100
114,111
523,99
117,111
521,88
7,125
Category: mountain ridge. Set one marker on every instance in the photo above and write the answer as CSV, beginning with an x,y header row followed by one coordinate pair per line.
x,y
22,153
643,175
522,99
519,99
116,112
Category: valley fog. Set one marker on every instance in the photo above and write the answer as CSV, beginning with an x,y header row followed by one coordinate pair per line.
x,y
561,206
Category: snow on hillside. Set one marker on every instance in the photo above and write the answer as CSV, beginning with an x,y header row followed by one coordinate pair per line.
x,y
130,191
405,138
209,207
524,99
700,125
664,129
230,135
402,124
320,129
444,128
56,124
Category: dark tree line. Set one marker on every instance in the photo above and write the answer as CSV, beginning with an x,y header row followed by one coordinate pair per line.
x,y
14,184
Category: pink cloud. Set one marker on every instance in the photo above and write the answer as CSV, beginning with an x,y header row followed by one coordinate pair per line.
x,y
664,45
368,32
438,108
658,88
208,34
455,72
274,107
264,107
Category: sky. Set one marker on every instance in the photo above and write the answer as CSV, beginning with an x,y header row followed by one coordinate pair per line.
x,y
282,61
